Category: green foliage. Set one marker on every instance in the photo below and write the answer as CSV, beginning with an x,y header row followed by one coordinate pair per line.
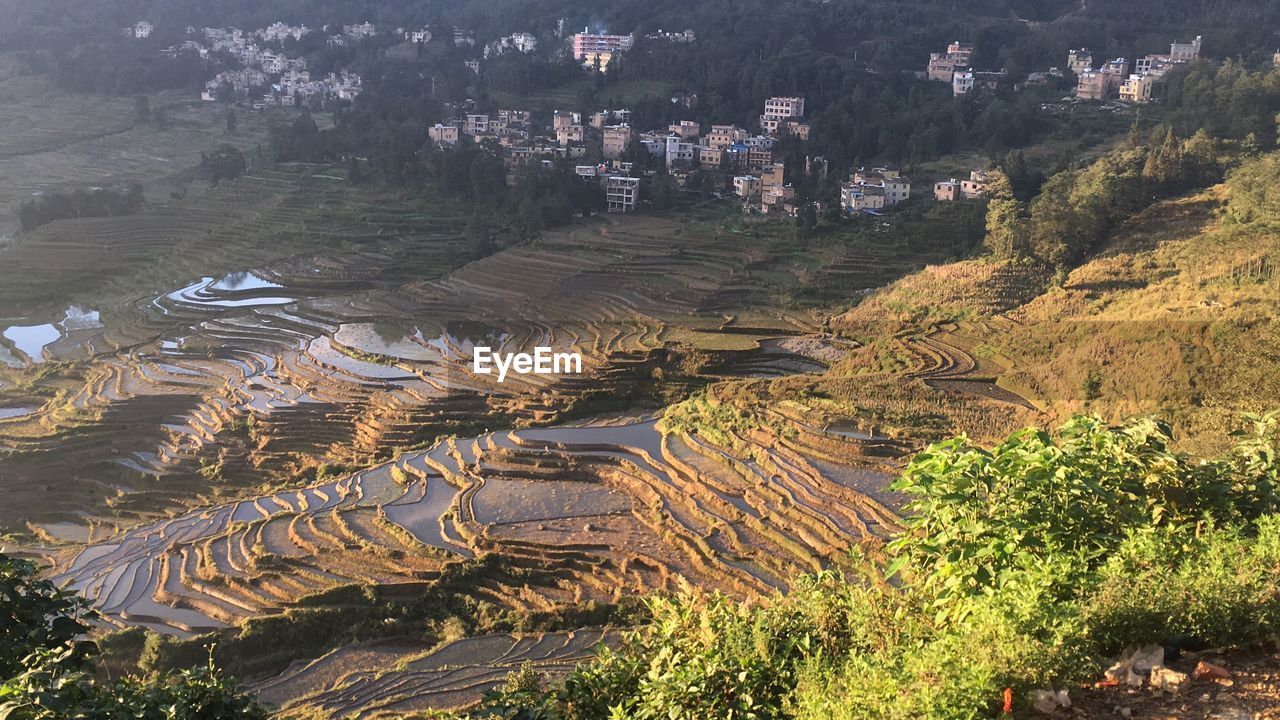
x,y
1255,192
35,616
1077,208
1006,224
978,519
226,162
79,204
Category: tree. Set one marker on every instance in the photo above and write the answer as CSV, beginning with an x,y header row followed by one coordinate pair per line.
x,y
479,239
1006,223
662,190
232,122
807,220
224,163
142,108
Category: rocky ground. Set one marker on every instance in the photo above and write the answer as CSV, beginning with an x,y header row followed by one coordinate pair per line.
x,y
1251,693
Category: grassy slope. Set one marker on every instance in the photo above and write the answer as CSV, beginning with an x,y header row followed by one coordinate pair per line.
x,y
1173,316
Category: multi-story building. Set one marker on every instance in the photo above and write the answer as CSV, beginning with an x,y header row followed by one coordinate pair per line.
x,y
616,140
476,124
1185,52
874,189
566,134
622,193
515,118
1179,53
686,129
680,153
784,107
654,143
758,157
795,128
462,36
141,29
722,136
279,32
1080,61
975,186
773,199
710,158
1104,83
1093,85
947,190
942,66
777,112
856,198
587,43
1118,67
747,186
953,189
421,35
591,48
773,175
560,118
443,134
1138,88
610,117
966,81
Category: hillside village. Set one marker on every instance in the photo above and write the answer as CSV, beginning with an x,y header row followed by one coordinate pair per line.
x,y
605,147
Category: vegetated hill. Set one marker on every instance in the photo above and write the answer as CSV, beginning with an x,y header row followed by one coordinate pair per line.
x,y
1174,315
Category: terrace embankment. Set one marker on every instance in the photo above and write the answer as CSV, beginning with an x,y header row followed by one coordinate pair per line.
x,y
367,681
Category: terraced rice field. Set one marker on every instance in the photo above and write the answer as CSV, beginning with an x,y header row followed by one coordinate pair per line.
x,y
380,680
230,370
54,140
562,498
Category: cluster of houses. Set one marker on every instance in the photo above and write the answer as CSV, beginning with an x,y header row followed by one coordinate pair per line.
x,y
268,77
1113,79
955,66
515,42
953,190
735,157
1116,78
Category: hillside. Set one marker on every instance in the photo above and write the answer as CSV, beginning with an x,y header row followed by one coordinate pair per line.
x,y
1174,315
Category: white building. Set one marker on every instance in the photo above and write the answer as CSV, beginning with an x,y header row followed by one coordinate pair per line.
x,y
680,152
279,32
784,107
1138,88
874,189
357,32
443,134
747,186
422,35
141,29
476,125
622,193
